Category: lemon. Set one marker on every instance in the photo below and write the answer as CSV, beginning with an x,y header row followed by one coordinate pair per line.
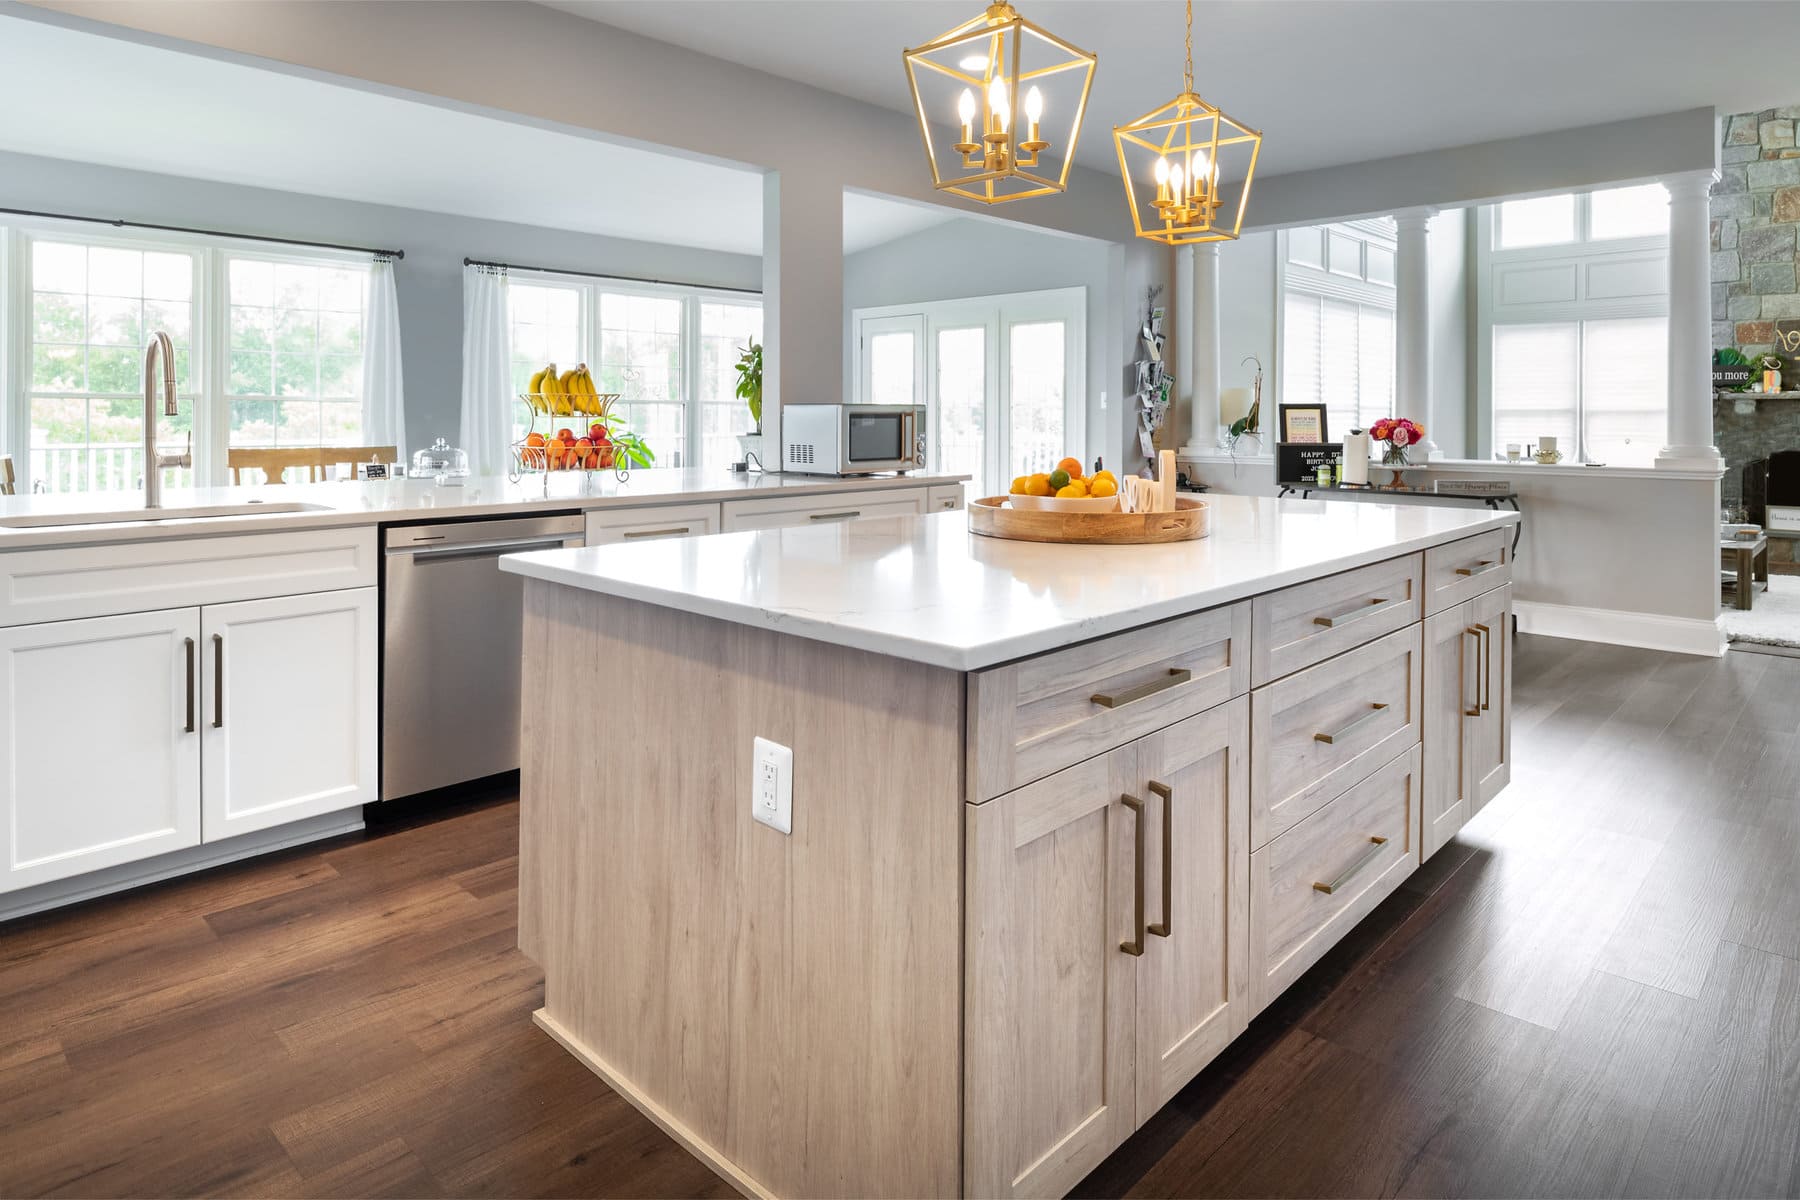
x,y
1102,487
1020,484
1074,491
1038,485
1109,477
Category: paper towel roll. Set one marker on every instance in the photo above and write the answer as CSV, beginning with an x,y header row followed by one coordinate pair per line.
x,y
1356,456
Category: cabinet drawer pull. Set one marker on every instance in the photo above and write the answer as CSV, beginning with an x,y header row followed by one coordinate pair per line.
x,y
1131,695
1380,604
641,533
218,681
190,685
1480,568
1135,948
1487,665
837,516
1474,709
1167,795
1368,856
1339,734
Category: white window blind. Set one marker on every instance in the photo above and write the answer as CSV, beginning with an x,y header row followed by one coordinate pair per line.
x,y
1337,337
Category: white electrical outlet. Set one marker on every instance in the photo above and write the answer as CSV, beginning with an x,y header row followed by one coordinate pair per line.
x,y
772,785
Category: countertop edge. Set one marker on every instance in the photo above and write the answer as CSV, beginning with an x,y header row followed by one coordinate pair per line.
x,y
542,565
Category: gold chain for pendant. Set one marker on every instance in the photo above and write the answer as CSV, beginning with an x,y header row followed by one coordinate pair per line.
x,y
1188,74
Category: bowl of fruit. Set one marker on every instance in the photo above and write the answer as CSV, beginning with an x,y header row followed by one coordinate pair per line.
x,y
1066,489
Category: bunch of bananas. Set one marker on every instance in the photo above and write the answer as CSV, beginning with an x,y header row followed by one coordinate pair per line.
x,y
567,394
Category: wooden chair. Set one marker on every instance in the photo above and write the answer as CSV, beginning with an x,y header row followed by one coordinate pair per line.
x,y
7,477
317,461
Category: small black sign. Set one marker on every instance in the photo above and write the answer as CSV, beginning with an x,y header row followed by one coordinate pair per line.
x,y
1730,377
1299,462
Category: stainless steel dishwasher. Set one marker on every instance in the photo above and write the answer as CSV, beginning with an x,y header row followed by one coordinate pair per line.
x,y
450,648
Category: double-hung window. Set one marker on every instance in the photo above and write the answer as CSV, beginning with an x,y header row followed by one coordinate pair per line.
x,y
1337,321
1572,312
670,353
268,353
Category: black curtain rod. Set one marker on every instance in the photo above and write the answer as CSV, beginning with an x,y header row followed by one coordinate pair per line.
x,y
705,287
120,223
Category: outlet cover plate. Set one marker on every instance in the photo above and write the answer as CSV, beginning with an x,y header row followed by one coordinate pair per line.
x,y
772,785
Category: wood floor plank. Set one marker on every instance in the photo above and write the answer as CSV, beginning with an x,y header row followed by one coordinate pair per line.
x,y
1668,934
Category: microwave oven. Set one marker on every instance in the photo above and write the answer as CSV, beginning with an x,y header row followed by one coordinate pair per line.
x,y
852,439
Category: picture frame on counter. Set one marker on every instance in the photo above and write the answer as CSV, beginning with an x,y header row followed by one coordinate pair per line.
x,y
1304,424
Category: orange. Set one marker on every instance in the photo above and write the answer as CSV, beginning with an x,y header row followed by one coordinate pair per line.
x,y
1101,488
1072,466
534,439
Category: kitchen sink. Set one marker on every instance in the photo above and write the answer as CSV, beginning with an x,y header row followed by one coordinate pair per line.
x,y
128,516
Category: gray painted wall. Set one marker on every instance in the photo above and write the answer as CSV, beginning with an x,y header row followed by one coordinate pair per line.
x,y
966,258
429,279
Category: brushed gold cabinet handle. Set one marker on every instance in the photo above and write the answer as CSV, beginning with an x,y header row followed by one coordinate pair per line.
x,y
190,685
644,533
1474,709
1135,948
1338,735
1368,856
1131,695
1487,680
1380,604
1167,794
1480,568
218,682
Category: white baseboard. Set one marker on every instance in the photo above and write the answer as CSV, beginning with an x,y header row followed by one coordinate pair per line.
x,y
1680,635
59,892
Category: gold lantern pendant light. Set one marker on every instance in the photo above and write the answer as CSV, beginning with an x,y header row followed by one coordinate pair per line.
x,y
975,72
1178,188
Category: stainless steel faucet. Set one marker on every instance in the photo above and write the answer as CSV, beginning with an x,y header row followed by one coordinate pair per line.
x,y
154,463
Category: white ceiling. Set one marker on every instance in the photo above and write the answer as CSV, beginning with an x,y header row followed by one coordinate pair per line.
x,y
1327,81
155,109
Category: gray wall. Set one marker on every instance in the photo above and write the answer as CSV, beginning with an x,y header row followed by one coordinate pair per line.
x,y
967,258
429,279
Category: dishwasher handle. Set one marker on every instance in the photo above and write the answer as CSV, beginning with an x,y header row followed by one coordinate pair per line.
x,y
486,549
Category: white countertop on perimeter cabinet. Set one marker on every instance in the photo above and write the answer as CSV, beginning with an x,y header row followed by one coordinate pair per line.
x,y
927,589
409,500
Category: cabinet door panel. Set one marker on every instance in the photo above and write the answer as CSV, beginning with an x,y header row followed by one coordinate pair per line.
x,y
1193,978
99,765
1450,710
1491,741
289,709
1048,991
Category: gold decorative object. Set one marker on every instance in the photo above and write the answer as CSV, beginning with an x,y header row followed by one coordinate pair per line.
x,y
973,74
1180,165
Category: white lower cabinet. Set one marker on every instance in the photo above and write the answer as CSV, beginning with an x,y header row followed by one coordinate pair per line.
x,y
289,709
1467,713
777,512
101,751
126,737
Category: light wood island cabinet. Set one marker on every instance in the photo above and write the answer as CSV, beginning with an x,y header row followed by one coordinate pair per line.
x,y
1022,904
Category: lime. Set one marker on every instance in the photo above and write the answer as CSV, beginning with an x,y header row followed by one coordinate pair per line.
x,y
1059,479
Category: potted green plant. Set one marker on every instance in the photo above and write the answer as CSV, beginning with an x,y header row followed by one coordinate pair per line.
x,y
750,391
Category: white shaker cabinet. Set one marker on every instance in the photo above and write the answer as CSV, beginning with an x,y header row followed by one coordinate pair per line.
x,y
100,762
776,512
289,709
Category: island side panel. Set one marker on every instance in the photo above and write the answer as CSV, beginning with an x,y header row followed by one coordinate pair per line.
x,y
788,1005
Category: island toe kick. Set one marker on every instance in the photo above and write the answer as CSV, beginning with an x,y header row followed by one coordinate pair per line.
x,y
1021,906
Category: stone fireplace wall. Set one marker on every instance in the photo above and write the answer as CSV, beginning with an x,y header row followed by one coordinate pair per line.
x,y
1755,211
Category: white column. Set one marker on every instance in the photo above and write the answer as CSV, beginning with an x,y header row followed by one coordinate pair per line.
x,y
1690,439
1203,432
1412,323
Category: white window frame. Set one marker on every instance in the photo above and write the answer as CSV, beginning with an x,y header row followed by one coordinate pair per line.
x,y
691,296
1323,282
209,347
1578,260
996,315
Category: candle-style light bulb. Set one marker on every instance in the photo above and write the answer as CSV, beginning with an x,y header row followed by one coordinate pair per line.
x,y
997,103
1200,170
1175,182
1162,180
1034,105
965,108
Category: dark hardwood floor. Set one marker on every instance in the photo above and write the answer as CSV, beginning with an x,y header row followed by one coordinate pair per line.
x,y
1595,991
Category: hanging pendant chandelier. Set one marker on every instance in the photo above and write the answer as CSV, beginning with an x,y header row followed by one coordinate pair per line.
x,y
1187,166
976,80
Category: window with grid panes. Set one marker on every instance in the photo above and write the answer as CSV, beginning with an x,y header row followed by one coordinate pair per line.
x,y
1337,332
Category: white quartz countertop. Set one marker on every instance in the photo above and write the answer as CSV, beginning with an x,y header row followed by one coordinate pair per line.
x,y
926,589
410,500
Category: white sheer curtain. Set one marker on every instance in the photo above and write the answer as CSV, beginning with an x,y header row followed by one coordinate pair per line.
x,y
486,370
384,394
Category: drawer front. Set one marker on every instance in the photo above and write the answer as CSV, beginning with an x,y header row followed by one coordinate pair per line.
x,y
946,497
1317,732
1309,886
101,580
1308,623
1030,718
646,524
778,512
1462,570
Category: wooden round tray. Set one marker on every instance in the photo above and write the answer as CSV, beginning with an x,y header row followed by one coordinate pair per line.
x,y
991,516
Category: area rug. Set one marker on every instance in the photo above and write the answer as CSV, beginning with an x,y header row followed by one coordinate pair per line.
x,y
1775,619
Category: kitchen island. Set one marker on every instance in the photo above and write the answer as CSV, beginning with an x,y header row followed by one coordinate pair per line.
x,y
1063,818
